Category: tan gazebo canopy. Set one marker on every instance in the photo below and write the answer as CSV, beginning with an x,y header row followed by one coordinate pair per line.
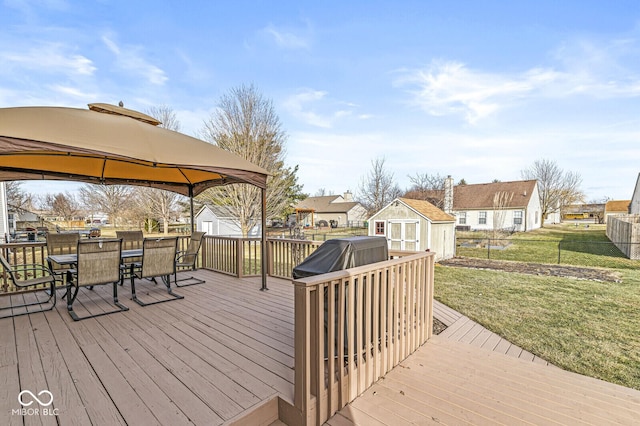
x,y
108,144
119,147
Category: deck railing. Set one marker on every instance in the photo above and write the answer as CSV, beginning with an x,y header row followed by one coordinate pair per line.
x,y
36,252
353,326
284,255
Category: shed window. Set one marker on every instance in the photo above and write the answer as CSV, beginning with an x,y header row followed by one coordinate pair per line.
x,y
380,228
482,218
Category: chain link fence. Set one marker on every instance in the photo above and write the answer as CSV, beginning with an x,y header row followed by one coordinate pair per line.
x,y
582,253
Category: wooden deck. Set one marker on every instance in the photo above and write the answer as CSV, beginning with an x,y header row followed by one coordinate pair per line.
x,y
470,376
227,350
208,359
462,329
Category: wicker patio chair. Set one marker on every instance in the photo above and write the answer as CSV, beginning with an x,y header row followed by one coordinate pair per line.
x,y
158,261
187,261
66,243
98,264
26,275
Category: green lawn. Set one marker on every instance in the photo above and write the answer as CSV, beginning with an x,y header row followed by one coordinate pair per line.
x,y
589,327
573,245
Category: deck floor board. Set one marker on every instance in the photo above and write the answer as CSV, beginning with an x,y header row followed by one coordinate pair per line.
x,y
228,347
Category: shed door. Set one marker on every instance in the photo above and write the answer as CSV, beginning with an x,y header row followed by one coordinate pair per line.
x,y
207,227
403,235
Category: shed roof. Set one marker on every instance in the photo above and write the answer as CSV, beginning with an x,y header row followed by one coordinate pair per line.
x,y
428,210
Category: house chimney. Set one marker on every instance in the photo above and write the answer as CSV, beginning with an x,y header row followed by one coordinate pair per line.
x,y
448,194
348,197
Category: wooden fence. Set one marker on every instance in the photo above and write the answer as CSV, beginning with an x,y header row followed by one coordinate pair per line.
x,y
624,231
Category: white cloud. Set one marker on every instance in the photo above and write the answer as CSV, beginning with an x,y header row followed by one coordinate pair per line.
x,y
304,105
50,58
73,92
584,68
285,39
130,59
446,88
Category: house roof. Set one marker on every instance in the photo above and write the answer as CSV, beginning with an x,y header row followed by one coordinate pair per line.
x,y
428,210
617,206
218,211
326,204
480,196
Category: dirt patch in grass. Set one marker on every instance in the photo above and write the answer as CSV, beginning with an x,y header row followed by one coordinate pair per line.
x,y
579,272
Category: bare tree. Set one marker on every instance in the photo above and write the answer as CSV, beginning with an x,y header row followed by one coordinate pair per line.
x,y
246,124
17,197
64,205
321,192
113,200
501,200
159,204
378,188
556,188
166,116
427,187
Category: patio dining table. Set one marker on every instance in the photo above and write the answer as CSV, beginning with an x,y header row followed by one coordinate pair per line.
x,y
72,258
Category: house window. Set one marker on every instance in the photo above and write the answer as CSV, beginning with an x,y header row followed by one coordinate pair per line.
x,y
517,218
462,218
380,228
536,218
482,218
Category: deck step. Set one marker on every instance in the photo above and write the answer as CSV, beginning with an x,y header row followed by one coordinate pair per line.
x,y
263,414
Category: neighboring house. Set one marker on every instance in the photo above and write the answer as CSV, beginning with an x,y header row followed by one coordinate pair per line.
x,y
616,208
215,220
634,207
415,225
341,209
512,206
594,212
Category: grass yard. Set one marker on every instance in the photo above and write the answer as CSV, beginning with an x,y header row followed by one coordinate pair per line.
x,y
589,327
574,245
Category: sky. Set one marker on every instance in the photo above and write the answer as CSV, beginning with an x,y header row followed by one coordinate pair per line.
x,y
478,90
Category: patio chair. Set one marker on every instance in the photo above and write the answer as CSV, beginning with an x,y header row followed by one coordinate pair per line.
x,y
66,243
130,240
26,275
98,264
158,261
187,260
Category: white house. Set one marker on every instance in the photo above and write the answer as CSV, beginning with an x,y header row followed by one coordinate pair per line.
x,y
338,208
214,220
415,225
513,206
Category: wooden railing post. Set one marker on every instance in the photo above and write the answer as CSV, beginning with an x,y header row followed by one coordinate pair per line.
x,y
302,362
239,257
